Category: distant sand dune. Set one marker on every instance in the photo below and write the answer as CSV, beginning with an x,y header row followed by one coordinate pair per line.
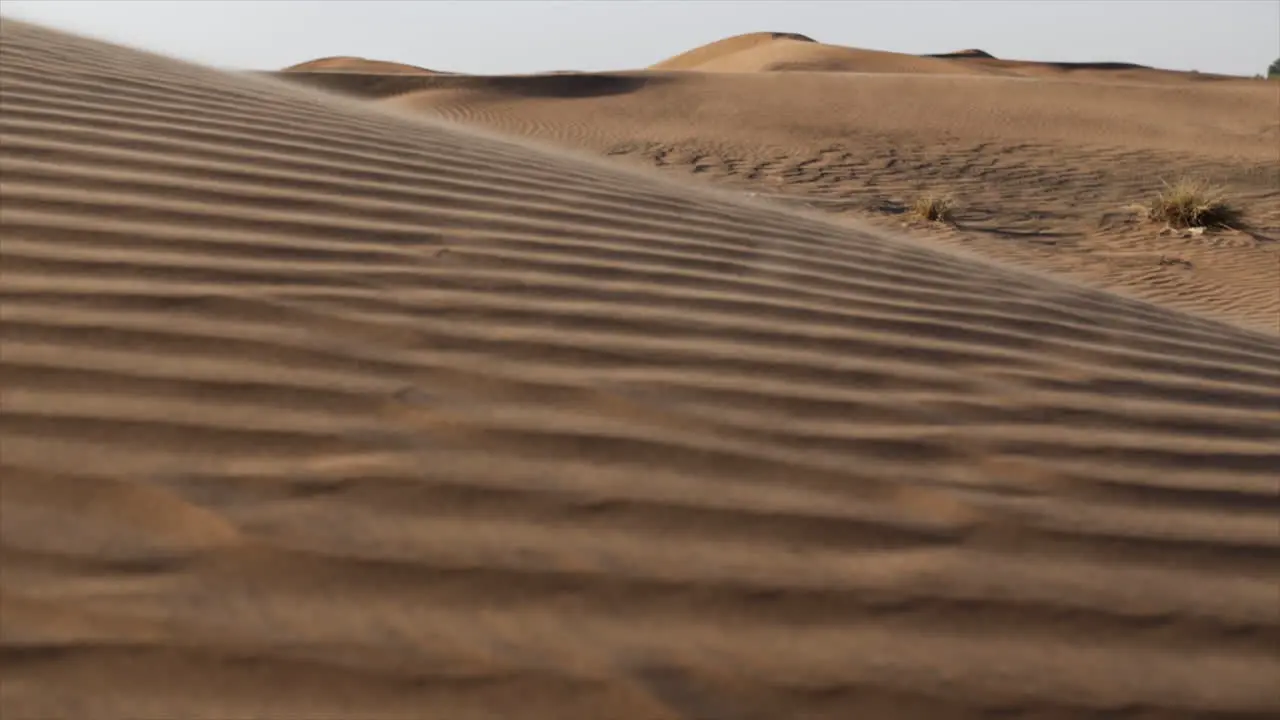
x,y
313,411
970,52
772,52
787,54
355,64
698,57
560,85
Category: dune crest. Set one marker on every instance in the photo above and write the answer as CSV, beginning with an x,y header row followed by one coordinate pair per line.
x,y
346,63
973,53
717,51
786,54
774,52
441,424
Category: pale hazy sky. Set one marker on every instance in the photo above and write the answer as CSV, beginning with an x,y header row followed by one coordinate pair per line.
x,y
1239,37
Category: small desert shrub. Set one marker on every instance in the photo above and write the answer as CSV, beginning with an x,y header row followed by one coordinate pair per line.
x,y
1192,204
934,208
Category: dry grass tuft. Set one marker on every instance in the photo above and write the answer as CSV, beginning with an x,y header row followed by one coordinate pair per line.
x,y
934,208
1192,204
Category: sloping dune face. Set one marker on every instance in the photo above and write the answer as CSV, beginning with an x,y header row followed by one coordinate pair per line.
x,y
311,411
1045,174
355,65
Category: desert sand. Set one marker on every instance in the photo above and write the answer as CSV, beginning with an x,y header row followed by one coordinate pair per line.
x,y
328,407
349,64
1044,160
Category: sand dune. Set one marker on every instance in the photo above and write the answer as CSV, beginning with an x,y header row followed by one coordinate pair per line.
x,y
313,410
764,52
360,77
795,55
717,51
775,51
345,63
970,52
1045,172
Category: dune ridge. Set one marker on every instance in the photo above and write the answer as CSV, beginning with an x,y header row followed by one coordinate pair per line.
x,y
772,54
725,47
316,410
347,63
776,51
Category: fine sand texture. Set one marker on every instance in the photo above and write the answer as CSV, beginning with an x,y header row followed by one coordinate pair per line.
x,y
313,410
1044,162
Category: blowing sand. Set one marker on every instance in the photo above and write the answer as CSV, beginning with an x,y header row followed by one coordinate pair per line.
x,y
313,410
